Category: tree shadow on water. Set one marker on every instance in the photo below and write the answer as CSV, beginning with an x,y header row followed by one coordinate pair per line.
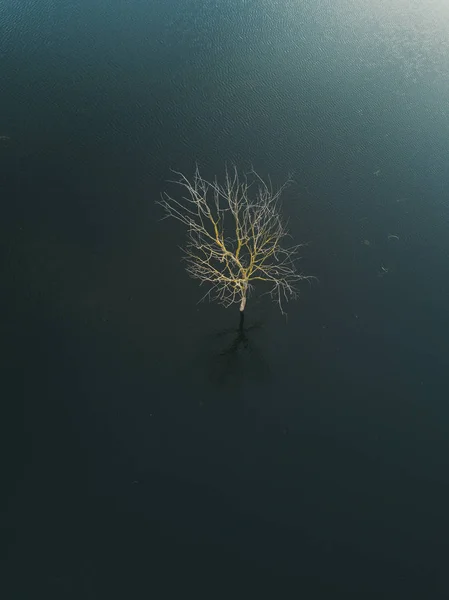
x,y
238,359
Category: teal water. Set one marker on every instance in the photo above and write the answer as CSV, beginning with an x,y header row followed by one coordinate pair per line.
x,y
150,449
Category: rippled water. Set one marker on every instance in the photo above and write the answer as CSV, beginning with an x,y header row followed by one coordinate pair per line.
x,y
309,452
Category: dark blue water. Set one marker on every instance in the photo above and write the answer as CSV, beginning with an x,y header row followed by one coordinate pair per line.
x,y
151,451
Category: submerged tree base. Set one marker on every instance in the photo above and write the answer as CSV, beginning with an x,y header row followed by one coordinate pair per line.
x,y
242,320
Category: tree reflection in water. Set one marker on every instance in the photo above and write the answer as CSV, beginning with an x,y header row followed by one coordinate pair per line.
x,y
240,359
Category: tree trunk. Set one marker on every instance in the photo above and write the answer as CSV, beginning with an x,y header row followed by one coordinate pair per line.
x,y
243,302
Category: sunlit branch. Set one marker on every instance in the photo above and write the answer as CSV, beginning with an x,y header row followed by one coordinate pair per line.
x,y
250,251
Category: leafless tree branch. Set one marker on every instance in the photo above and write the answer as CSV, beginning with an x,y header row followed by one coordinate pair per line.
x,y
251,250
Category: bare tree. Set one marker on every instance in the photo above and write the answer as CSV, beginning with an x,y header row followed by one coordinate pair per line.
x,y
234,237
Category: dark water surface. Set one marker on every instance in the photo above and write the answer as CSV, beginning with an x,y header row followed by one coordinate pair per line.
x,y
151,452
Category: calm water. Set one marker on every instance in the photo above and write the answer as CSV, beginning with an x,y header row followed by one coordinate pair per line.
x,y
150,451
